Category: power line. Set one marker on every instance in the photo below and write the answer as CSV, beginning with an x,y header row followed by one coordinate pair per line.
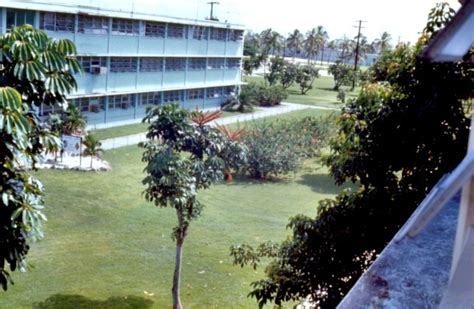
x,y
356,60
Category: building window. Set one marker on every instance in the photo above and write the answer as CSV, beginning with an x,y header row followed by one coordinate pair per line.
x,y
213,93
151,64
123,64
215,63
150,98
218,34
200,32
82,104
236,35
57,22
96,104
125,26
93,25
176,31
233,63
229,90
173,96
20,17
195,94
92,64
197,64
50,109
155,29
175,64
121,101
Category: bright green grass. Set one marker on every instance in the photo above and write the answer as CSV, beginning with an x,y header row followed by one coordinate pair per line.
x,y
322,93
105,246
130,129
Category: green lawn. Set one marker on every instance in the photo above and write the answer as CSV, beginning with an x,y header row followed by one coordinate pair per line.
x,y
322,93
106,247
120,131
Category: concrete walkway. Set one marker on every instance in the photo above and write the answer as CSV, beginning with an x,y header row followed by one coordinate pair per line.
x,y
263,112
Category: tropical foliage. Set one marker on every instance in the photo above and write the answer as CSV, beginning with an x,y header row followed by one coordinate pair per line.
x,y
92,144
305,76
181,159
276,148
34,70
395,141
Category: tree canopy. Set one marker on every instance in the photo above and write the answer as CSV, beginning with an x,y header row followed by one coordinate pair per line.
x,y
34,70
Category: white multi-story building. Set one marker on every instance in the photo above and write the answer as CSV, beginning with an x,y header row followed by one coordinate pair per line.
x,y
133,60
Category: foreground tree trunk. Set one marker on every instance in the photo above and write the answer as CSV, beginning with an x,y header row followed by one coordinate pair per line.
x,y
176,290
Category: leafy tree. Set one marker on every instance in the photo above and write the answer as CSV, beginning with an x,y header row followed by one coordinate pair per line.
x,y
93,149
342,74
181,160
277,67
395,140
305,77
288,76
34,70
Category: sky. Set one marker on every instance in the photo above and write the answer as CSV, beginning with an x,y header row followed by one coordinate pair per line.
x,y
403,19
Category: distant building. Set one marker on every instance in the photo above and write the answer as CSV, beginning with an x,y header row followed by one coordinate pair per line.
x,y
133,60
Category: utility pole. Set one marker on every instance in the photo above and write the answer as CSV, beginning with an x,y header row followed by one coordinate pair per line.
x,y
356,60
212,11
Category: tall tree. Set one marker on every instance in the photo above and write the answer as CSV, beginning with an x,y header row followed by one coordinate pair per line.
x,y
295,41
383,42
34,70
323,39
346,47
181,160
311,44
332,45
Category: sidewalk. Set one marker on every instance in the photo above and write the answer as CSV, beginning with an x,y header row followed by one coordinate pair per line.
x,y
263,112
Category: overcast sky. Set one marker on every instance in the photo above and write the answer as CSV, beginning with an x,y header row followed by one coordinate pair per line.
x,y
403,19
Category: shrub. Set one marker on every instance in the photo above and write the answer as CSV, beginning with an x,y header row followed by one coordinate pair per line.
x,y
276,148
245,101
341,95
271,95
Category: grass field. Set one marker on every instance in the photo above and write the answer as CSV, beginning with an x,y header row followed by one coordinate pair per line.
x,y
105,247
322,93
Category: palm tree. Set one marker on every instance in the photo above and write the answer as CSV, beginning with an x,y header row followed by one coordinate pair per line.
x,y
295,41
383,43
311,44
92,147
322,39
332,45
346,47
74,120
364,49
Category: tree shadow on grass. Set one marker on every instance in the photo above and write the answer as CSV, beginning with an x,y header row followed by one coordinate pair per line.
x,y
321,183
68,301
